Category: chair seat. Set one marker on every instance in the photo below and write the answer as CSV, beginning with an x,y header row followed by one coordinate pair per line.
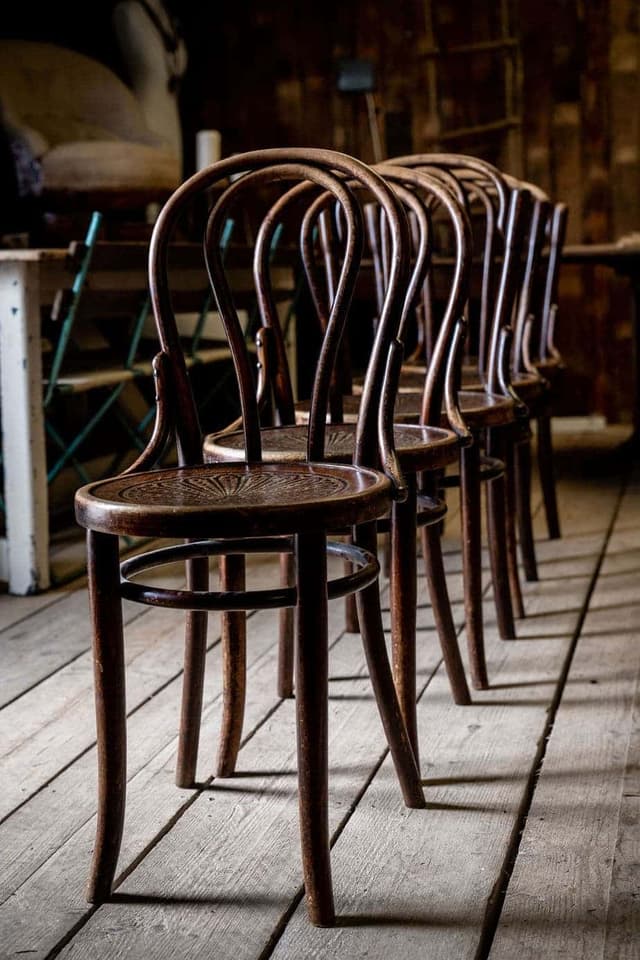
x,y
478,408
418,448
234,499
528,386
551,368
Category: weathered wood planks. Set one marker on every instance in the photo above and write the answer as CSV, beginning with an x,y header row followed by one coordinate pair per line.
x,y
581,834
216,872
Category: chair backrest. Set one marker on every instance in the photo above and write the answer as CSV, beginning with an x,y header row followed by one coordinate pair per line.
x,y
421,195
528,303
556,232
505,208
420,187
248,181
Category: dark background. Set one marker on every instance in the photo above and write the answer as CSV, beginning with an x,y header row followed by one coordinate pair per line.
x,y
547,89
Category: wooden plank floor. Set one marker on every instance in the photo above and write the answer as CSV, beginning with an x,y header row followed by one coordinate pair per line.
x,y
529,846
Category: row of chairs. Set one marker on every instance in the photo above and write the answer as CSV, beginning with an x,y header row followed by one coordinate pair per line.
x,y
457,360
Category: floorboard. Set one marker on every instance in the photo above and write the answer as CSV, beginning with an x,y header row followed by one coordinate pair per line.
x,y
215,871
579,832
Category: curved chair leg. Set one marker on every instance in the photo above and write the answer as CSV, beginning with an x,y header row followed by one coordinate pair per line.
x,y
511,510
103,571
234,667
497,533
195,651
470,507
403,599
286,638
547,479
351,624
441,605
382,681
312,691
522,487
385,559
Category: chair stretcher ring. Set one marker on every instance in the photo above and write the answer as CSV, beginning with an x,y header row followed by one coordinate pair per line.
x,y
365,563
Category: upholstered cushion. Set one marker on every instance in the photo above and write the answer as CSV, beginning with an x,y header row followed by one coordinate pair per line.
x,y
97,165
66,96
83,123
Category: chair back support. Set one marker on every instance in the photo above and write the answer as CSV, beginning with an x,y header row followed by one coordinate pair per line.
x,y
529,300
240,180
436,194
556,228
504,228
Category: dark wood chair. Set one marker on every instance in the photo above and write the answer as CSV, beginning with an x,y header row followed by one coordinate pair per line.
x,y
424,449
535,364
252,505
486,399
540,354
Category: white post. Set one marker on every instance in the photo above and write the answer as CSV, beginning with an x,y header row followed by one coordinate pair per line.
x,y
208,148
23,445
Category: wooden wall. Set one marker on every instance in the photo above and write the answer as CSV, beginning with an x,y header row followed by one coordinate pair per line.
x,y
581,140
270,67
550,89
561,106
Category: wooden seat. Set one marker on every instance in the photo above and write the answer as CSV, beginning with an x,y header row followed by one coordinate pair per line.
x,y
418,447
238,508
239,499
480,408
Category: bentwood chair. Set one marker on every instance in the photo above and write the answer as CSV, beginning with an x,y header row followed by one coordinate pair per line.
x,y
535,365
424,450
487,402
540,355
252,505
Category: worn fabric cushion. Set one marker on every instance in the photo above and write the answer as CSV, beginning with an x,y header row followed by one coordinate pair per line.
x,y
109,165
65,95
83,122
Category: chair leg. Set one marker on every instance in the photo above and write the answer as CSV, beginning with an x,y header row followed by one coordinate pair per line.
x,y
403,599
286,638
234,667
382,681
312,692
195,651
522,487
103,572
386,556
497,533
470,506
351,624
547,479
441,605
511,510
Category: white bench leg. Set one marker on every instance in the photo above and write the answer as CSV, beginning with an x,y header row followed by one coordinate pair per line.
x,y
23,444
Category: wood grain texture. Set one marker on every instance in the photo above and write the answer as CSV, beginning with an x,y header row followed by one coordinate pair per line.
x,y
53,724
231,864
49,838
428,884
578,833
220,875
